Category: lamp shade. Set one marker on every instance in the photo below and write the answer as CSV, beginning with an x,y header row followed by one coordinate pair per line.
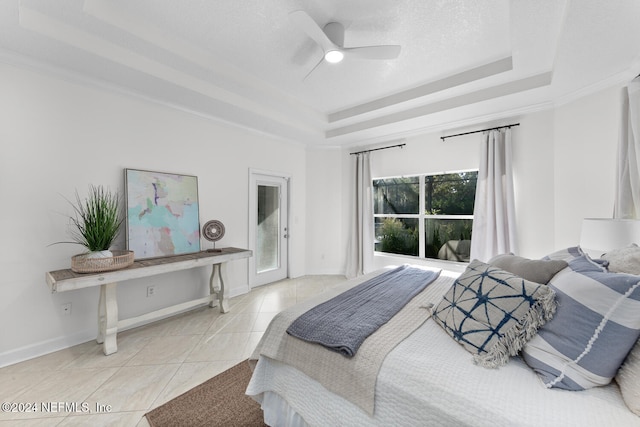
x,y
601,235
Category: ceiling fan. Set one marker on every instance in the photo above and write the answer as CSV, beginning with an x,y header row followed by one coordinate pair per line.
x,y
331,40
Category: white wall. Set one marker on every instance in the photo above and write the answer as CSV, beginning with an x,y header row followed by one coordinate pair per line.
x,y
57,137
534,181
325,249
585,149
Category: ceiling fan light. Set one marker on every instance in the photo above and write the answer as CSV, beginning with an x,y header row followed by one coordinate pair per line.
x,y
334,56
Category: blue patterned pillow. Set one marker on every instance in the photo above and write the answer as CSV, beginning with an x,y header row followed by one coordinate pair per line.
x,y
493,313
597,323
572,253
567,254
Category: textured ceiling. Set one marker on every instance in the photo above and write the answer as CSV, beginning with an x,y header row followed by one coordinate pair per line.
x,y
245,61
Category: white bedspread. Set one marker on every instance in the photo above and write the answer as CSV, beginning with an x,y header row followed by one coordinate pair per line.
x,y
353,378
428,379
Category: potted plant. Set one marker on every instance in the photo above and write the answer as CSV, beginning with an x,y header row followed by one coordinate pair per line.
x,y
95,225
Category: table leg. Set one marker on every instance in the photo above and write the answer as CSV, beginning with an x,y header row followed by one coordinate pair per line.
x,y
213,289
108,318
224,302
219,276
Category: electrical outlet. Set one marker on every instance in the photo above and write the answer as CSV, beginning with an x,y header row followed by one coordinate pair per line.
x,y
151,291
66,309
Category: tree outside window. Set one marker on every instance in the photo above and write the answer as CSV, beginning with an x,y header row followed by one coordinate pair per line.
x,y
427,216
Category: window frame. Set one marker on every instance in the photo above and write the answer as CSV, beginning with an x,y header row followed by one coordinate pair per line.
x,y
422,216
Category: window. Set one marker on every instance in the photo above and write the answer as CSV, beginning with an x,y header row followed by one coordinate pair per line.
x,y
427,216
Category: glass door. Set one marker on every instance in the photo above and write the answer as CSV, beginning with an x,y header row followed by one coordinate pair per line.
x,y
268,228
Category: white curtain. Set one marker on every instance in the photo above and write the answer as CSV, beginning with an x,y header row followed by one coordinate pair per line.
x,y
494,229
627,198
360,250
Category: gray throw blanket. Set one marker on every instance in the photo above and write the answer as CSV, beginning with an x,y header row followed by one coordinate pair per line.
x,y
342,323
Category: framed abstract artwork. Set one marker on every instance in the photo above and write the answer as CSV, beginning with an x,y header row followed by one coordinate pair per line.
x,y
162,213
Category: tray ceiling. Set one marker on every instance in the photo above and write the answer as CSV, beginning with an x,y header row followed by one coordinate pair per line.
x,y
244,61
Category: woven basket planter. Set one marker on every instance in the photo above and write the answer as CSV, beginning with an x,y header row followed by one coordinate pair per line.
x,y
82,263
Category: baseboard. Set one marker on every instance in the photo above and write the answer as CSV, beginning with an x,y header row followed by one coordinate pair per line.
x,y
41,348
325,272
237,291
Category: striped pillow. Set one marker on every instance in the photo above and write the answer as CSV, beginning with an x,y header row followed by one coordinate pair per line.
x,y
567,254
596,323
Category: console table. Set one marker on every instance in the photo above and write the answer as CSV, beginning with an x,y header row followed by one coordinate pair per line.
x,y
108,323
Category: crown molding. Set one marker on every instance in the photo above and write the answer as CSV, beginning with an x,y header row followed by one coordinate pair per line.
x,y
618,79
40,67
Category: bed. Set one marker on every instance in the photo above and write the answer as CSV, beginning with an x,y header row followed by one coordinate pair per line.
x,y
428,378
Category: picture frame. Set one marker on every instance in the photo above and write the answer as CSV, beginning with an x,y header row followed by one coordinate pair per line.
x,y
162,213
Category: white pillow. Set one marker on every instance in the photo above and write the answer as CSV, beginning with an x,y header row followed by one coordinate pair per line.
x,y
624,260
628,378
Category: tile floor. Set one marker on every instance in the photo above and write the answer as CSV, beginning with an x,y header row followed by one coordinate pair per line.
x,y
154,363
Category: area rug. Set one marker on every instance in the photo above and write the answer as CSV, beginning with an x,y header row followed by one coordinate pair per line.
x,y
219,401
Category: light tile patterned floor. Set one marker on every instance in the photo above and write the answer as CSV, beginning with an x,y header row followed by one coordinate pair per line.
x,y
154,363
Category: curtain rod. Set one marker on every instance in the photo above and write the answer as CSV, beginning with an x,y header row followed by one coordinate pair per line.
x,y
381,148
481,130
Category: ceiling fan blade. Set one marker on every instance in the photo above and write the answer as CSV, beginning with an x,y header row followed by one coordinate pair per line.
x,y
311,28
373,52
314,68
